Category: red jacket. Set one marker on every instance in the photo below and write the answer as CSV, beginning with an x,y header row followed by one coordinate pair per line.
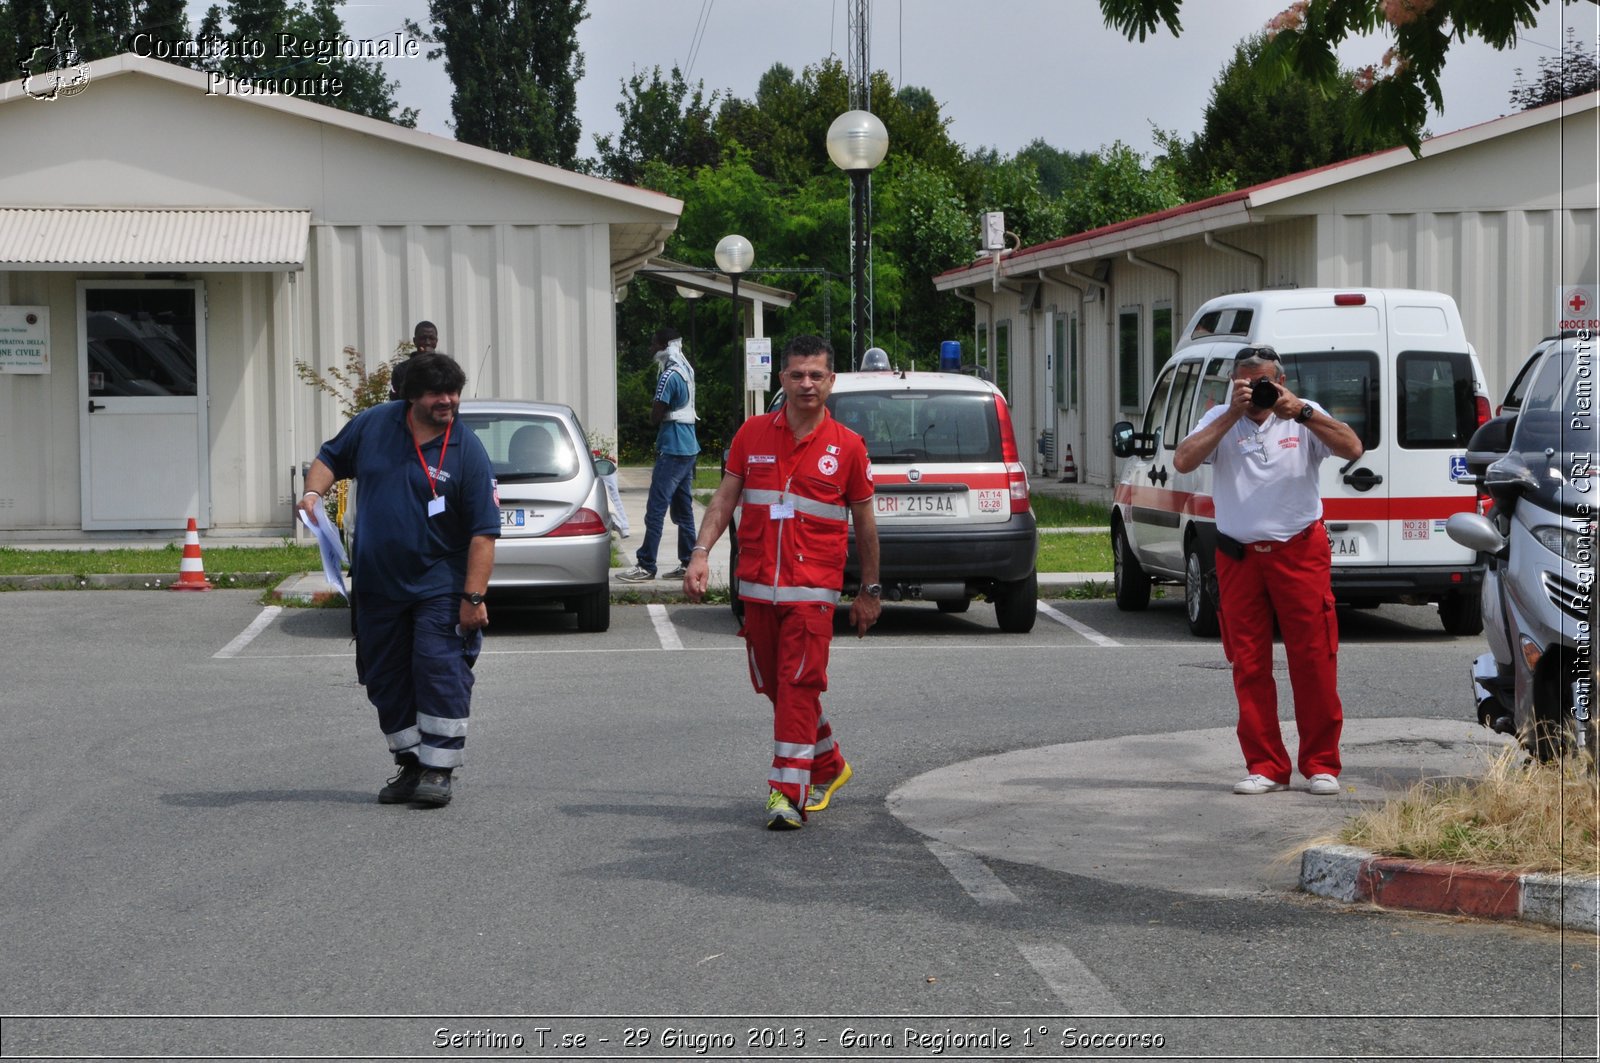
x,y
794,518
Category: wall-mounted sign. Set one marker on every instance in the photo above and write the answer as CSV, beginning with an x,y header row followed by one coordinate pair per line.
x,y
24,339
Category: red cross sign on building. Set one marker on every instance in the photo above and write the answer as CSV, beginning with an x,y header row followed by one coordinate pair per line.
x,y
1578,309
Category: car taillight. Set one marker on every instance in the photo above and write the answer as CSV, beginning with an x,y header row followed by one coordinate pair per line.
x,y
1350,299
1016,475
584,522
1017,479
1482,402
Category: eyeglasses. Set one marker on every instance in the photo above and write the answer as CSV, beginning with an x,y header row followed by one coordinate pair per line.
x,y
1255,354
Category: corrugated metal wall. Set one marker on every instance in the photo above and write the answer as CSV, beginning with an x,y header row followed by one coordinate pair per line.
x,y
526,309
1503,268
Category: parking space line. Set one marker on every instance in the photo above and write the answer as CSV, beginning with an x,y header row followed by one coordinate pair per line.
x,y
972,874
257,626
1073,983
664,629
1083,629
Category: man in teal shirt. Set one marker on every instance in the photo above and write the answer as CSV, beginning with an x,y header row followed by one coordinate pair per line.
x,y
676,448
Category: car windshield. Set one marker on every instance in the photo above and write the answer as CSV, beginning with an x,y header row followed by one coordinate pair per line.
x,y
901,427
524,447
1554,439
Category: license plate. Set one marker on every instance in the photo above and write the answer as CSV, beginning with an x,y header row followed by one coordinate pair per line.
x,y
1345,545
935,505
513,518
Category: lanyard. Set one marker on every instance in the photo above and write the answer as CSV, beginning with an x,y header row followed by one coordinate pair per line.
x,y
799,451
431,474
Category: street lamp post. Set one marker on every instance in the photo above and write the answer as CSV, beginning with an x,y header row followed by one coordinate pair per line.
x,y
857,143
692,296
734,255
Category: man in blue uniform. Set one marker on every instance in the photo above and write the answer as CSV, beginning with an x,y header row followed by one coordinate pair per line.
x,y
676,448
424,547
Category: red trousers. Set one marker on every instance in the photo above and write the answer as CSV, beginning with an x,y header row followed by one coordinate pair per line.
x,y
788,650
1289,581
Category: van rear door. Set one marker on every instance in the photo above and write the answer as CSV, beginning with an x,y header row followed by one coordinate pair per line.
x,y
1355,495
1435,413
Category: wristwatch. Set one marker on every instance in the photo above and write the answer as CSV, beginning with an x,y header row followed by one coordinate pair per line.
x,y
1307,411
874,590
474,599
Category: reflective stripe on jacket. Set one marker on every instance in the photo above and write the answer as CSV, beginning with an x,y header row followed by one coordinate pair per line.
x,y
799,557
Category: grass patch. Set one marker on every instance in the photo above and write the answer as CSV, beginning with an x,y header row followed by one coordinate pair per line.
x,y
1521,816
280,558
1053,512
1075,553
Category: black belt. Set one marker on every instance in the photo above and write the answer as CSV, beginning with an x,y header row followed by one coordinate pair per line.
x,y
1236,549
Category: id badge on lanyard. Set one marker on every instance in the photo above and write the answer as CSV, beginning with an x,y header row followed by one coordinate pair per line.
x,y
435,503
785,510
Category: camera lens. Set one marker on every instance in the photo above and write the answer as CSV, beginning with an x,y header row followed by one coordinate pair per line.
x,y
1263,394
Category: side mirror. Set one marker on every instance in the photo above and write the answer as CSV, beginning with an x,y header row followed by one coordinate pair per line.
x,y
1122,439
604,466
1506,481
1488,445
1126,443
1475,533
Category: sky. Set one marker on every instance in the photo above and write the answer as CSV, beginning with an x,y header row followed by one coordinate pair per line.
x,y
1047,69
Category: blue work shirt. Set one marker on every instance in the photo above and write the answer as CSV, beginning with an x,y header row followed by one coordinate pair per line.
x,y
401,553
674,437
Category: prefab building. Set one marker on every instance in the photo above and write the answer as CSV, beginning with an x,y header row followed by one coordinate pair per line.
x,y
1502,216
168,254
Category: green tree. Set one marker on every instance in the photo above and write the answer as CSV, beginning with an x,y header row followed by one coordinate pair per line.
x,y
261,22
515,66
663,119
1258,129
1395,93
1058,170
1119,186
1572,74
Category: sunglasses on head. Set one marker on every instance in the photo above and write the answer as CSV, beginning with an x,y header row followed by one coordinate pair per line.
x,y
1255,354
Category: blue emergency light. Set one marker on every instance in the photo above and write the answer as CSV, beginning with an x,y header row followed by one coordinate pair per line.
x,y
950,356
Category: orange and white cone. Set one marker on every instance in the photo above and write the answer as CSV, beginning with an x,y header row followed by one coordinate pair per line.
x,y
1069,468
191,570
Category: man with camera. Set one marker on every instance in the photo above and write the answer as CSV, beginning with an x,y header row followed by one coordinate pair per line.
x,y
1266,446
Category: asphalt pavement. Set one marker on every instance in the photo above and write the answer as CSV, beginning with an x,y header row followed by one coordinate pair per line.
x,y
1157,809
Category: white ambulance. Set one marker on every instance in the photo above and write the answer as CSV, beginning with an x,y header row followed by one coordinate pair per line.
x,y
1393,364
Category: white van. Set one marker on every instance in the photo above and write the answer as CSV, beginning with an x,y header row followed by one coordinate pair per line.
x,y
1396,366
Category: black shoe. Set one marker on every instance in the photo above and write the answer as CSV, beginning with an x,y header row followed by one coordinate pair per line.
x,y
433,789
403,785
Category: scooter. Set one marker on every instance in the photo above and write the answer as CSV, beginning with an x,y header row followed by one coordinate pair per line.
x,y
1538,680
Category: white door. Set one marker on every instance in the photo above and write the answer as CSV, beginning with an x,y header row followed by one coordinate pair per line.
x,y
142,388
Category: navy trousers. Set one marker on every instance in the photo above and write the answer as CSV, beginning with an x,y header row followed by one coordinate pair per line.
x,y
418,673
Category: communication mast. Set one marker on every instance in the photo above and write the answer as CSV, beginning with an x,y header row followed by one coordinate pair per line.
x,y
858,71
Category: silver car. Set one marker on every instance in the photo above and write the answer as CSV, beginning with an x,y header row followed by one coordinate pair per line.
x,y
555,539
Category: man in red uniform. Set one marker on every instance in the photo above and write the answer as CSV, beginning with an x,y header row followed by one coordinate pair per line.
x,y
1274,560
799,478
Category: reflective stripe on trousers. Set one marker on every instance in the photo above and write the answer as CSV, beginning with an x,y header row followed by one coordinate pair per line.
x,y
788,650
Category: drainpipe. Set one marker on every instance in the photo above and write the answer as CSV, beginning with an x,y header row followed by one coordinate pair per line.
x,y
1260,262
1080,281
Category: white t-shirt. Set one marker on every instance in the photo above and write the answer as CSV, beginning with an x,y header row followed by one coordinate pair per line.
x,y
1264,477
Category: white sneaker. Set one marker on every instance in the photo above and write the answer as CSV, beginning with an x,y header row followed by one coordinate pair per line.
x,y
1324,785
1258,784
636,574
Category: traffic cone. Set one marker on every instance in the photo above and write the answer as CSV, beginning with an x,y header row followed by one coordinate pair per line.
x,y
191,570
1069,468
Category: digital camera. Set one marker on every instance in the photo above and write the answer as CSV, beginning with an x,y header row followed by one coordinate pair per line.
x,y
1263,394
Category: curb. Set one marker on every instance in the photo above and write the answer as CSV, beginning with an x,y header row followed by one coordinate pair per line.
x,y
121,581
1345,873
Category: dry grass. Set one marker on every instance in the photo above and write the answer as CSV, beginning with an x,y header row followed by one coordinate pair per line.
x,y
1520,816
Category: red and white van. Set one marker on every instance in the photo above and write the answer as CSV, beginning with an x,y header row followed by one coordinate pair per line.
x,y
1393,364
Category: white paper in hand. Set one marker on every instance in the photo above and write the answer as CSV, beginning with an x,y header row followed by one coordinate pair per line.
x,y
333,559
